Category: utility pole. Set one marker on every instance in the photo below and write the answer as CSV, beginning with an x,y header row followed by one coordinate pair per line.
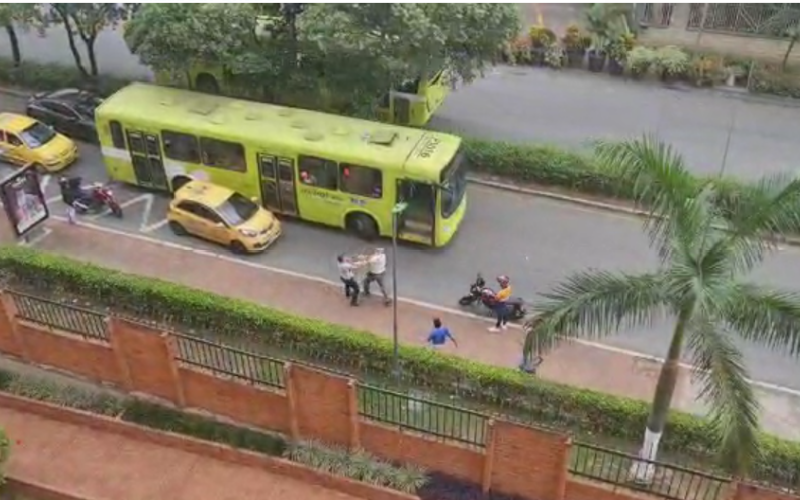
x,y
397,211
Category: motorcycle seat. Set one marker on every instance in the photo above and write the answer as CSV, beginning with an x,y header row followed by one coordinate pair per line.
x,y
515,301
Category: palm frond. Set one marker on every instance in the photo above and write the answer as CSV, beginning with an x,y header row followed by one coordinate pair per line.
x,y
659,180
766,317
757,214
592,305
719,367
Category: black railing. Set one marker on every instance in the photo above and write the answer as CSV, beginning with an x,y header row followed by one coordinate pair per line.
x,y
656,478
222,360
440,420
65,317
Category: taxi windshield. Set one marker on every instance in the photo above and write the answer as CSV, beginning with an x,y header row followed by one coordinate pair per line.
x,y
237,209
37,135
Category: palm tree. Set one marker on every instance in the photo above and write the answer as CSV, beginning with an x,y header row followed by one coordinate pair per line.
x,y
706,244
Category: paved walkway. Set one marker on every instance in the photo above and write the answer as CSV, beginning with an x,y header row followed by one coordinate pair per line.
x,y
577,364
100,465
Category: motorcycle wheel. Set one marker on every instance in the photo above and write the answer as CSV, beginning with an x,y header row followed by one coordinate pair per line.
x,y
117,211
465,301
518,313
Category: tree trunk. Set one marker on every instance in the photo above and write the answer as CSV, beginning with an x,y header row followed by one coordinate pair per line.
x,y
643,471
16,55
792,41
89,42
72,47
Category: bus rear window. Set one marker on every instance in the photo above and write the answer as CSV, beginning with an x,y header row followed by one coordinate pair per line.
x,y
453,184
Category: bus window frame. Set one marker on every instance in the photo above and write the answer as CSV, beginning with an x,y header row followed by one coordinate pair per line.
x,y
352,166
327,163
168,140
240,167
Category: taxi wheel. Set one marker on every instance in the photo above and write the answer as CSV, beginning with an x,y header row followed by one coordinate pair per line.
x,y
238,248
177,229
363,226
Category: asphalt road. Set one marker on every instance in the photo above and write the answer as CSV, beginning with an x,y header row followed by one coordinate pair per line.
x,y
537,242
566,108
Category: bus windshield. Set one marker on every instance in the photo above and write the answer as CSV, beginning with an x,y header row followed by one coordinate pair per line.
x,y
453,185
37,135
237,209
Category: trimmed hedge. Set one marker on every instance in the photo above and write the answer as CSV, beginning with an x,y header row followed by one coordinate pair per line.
x,y
38,76
537,401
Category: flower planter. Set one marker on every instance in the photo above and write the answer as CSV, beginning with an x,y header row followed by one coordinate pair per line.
x,y
575,58
597,61
615,67
538,55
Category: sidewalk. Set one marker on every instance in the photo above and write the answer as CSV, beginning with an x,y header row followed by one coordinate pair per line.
x,y
575,364
99,465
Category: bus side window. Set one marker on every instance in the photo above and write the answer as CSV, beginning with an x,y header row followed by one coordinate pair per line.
x,y
117,135
319,172
180,147
223,154
361,181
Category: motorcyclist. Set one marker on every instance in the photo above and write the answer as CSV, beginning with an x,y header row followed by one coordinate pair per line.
x,y
500,303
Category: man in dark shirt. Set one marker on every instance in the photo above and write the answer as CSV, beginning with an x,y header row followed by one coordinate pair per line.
x,y
439,335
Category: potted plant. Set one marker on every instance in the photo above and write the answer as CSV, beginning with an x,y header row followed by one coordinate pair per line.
x,y
639,61
518,51
555,56
597,54
541,39
617,51
736,72
605,22
706,70
575,44
671,63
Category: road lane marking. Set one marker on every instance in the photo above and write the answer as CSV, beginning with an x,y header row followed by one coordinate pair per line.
x,y
422,304
154,227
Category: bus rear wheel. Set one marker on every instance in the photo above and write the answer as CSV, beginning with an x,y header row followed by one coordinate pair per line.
x,y
179,181
362,225
206,83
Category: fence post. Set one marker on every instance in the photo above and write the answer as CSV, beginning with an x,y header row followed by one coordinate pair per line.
x,y
9,309
488,459
355,425
119,354
563,473
174,368
291,396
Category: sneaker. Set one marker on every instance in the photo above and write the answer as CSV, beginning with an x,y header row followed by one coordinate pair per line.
x,y
494,329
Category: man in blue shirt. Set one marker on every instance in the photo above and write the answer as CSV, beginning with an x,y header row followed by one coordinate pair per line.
x,y
439,335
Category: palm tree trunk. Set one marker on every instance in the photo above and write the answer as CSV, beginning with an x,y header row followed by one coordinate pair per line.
x,y
662,400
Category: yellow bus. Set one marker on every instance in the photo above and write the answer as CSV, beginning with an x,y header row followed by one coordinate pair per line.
x,y
322,168
412,103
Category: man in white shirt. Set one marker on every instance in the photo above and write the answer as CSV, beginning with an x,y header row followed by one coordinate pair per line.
x,y
348,277
376,272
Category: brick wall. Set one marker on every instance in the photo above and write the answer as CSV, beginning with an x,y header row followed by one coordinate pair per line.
x,y
315,404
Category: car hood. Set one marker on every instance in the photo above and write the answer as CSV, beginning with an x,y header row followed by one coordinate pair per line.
x,y
261,221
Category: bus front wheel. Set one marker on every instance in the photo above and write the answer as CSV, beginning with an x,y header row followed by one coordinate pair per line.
x,y
362,225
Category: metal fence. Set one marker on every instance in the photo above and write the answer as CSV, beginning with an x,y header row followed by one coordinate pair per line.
x,y
657,15
228,361
65,317
440,420
742,18
655,478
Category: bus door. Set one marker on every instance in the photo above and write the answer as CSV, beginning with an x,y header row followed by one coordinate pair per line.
x,y
418,221
148,166
276,176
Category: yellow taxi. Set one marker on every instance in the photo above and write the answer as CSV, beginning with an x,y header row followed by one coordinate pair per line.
x,y
24,140
221,215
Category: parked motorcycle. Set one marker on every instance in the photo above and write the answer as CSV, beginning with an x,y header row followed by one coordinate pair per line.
x,y
88,199
479,293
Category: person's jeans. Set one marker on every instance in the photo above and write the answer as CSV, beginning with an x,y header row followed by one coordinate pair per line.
x,y
377,278
351,290
501,310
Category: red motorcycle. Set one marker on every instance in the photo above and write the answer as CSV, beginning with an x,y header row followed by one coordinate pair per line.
x,y
88,199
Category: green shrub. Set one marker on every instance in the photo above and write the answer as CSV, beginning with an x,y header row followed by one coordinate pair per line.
x,y
48,76
5,454
167,419
772,80
360,466
42,389
534,400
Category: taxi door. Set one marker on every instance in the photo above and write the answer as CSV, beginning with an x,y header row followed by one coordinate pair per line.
x,y
12,150
203,222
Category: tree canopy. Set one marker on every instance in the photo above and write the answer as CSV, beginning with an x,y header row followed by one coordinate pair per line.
x,y
356,51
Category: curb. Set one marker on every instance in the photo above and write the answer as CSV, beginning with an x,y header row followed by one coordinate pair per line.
x,y
793,241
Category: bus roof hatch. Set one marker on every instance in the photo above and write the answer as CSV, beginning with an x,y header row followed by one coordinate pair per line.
x,y
383,138
203,107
